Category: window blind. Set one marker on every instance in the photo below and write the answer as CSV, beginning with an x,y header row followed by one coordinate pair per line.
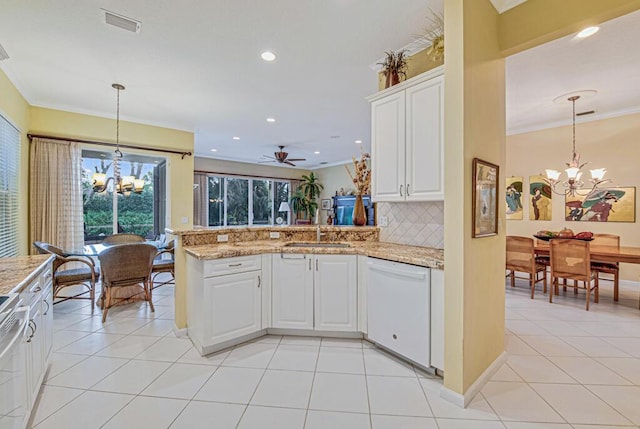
x,y
9,164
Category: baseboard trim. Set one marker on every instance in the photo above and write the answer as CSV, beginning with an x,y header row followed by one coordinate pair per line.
x,y
462,400
180,332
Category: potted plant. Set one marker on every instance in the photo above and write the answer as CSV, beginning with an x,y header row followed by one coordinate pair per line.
x,y
394,66
311,189
299,203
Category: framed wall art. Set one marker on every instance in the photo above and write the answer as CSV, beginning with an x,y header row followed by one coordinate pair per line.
x,y
325,204
539,198
602,205
485,198
513,197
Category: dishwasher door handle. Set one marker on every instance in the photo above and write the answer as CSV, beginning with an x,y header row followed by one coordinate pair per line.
x,y
398,272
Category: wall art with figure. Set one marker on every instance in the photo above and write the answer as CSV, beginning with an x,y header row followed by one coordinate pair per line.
x,y
485,198
539,198
602,205
513,197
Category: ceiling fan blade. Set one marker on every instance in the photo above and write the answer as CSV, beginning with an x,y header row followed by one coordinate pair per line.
x,y
267,156
296,159
290,163
265,161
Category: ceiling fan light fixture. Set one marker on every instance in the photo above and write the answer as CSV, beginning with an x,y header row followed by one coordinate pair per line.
x,y
589,31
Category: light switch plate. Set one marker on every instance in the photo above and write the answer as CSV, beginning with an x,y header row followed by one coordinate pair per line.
x,y
223,237
274,234
383,221
184,219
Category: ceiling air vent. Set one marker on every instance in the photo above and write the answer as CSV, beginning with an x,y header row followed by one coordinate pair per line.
x,y
122,21
3,54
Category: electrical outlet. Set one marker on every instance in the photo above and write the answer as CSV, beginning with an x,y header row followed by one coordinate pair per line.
x,y
223,238
274,234
383,221
184,219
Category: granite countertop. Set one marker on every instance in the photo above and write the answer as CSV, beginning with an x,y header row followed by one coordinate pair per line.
x,y
415,255
16,273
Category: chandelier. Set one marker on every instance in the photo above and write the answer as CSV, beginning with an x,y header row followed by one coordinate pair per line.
x,y
124,185
570,186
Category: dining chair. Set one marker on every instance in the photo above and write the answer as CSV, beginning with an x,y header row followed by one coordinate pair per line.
x,y
123,238
62,278
126,265
164,263
521,258
613,268
570,259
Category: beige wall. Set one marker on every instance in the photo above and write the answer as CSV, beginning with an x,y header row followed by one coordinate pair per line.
x,y
610,143
535,22
213,165
15,109
333,178
474,127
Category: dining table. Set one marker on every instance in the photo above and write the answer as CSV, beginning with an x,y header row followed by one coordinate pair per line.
x,y
599,253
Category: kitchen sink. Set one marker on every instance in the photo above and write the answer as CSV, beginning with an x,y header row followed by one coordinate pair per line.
x,y
338,245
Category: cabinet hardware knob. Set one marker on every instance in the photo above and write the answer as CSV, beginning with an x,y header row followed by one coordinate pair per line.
x,y
395,337
38,289
401,191
235,265
408,190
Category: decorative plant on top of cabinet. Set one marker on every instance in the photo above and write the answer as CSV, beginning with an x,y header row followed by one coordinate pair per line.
x,y
394,66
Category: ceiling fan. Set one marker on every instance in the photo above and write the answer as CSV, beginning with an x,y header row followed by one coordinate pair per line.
x,y
281,157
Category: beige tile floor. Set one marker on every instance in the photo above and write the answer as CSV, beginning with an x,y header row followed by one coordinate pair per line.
x,y
567,368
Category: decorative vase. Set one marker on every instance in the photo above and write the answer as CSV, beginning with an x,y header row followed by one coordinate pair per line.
x,y
359,215
392,78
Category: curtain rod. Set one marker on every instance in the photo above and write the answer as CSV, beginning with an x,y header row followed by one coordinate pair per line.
x,y
99,143
251,176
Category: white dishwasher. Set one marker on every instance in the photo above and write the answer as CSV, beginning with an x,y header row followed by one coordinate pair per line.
x,y
398,306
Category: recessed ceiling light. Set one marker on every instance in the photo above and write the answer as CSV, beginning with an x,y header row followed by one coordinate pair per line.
x,y
317,153
589,31
271,120
358,141
236,138
214,150
268,56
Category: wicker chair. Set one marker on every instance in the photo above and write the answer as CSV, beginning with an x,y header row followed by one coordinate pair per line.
x,y
85,276
164,263
521,258
123,239
126,265
612,268
570,259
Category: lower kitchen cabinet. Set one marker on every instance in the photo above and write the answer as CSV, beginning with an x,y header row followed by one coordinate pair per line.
x,y
437,319
315,292
224,300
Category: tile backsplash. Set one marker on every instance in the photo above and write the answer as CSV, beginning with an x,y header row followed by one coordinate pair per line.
x,y
414,224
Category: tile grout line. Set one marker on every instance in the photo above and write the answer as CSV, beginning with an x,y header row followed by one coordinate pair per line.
x,y
313,380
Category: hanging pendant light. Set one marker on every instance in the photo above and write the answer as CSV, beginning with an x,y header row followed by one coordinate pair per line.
x,y
573,171
124,185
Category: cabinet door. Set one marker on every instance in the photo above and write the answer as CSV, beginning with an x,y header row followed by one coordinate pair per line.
x,y
425,141
47,322
335,284
233,306
388,148
34,351
292,291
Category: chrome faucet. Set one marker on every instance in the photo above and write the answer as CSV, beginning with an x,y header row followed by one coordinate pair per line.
x,y
318,233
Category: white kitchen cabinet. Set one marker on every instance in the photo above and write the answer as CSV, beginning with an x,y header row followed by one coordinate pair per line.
x,y
407,140
315,292
437,319
224,301
292,291
335,293
398,308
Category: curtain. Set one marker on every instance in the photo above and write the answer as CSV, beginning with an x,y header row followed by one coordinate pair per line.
x,y
200,200
55,193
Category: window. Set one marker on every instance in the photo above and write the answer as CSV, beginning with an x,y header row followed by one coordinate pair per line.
x,y
9,162
238,201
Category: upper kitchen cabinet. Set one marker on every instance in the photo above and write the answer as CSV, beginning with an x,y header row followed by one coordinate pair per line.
x,y
407,142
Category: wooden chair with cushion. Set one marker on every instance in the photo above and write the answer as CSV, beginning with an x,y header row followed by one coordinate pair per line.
x,y
123,239
126,265
521,258
164,263
612,268
86,275
570,259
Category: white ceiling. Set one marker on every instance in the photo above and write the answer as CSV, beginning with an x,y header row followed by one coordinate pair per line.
x,y
196,66
608,62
